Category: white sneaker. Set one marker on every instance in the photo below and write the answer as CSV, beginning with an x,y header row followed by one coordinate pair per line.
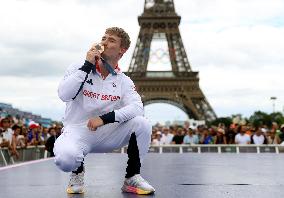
x,y
76,183
137,185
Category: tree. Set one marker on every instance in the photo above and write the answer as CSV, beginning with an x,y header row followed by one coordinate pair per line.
x,y
227,121
260,118
277,117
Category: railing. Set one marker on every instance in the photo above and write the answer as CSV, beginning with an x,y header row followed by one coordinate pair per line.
x,y
38,152
27,154
213,148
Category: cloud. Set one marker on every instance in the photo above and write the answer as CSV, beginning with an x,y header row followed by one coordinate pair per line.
x,y
37,95
234,91
44,37
154,111
229,13
236,46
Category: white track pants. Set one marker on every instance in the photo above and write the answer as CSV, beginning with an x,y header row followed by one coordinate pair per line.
x,y
76,142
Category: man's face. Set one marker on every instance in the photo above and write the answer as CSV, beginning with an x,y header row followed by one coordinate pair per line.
x,y
17,131
166,131
258,132
243,129
112,49
35,130
205,132
6,123
52,132
45,130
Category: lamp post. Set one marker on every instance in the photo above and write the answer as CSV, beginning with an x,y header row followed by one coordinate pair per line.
x,y
273,98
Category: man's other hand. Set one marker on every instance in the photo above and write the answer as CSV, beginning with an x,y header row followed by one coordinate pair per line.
x,y
94,123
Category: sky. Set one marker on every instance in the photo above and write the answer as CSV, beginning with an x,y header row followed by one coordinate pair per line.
x,y
237,47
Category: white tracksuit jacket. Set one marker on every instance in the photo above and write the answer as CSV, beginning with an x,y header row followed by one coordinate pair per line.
x,y
98,96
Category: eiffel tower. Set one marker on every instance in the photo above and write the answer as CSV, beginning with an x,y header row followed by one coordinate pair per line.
x,y
178,86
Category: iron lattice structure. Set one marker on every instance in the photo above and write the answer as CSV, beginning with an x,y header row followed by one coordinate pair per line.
x,y
180,86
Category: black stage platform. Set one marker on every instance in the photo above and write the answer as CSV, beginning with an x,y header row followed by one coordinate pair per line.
x,y
173,175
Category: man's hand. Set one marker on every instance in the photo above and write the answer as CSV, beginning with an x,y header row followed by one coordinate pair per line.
x,y
93,54
94,123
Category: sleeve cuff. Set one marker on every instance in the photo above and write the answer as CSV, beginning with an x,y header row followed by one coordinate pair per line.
x,y
108,117
87,67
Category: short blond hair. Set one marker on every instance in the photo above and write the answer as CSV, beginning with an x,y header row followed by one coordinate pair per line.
x,y
125,39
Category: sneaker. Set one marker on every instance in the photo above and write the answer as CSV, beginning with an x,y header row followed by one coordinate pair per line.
x,y
137,185
76,183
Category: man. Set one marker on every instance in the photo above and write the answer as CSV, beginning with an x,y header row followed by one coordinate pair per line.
x,y
281,135
231,134
34,134
242,137
157,138
49,145
166,136
190,138
258,138
7,133
103,112
178,138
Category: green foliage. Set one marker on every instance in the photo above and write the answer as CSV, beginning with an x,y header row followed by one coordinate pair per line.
x,y
227,121
277,117
258,118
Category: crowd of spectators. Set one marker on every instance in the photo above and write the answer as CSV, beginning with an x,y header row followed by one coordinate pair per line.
x,y
234,134
20,133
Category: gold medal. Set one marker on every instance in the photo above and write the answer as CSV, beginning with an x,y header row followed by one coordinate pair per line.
x,y
99,47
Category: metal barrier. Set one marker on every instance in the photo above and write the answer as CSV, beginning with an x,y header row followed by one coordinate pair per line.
x,y
26,154
38,152
213,148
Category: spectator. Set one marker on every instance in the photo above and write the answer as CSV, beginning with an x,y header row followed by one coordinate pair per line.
x,y
281,134
199,131
50,141
213,133
25,135
33,134
44,135
58,129
272,137
16,140
190,138
231,134
2,143
178,138
249,130
275,127
220,137
167,137
157,138
7,133
264,129
206,137
242,137
258,138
